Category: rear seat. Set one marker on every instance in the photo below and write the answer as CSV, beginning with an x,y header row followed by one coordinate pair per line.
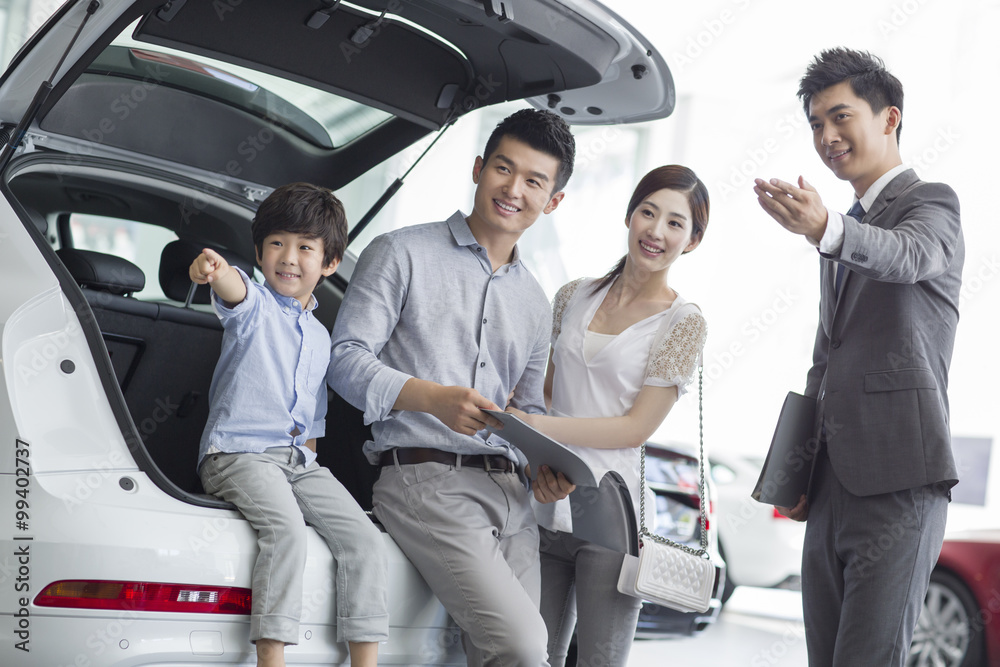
x,y
163,355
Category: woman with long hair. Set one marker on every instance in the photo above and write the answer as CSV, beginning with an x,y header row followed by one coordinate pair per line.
x,y
624,347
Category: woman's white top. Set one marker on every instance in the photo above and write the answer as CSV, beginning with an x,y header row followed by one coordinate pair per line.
x,y
592,380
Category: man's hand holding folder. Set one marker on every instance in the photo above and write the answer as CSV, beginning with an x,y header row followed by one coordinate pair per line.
x,y
784,479
798,513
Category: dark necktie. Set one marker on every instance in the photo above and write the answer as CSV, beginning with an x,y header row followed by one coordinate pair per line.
x,y
858,213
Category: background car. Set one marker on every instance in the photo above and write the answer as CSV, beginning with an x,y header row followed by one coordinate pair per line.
x,y
760,546
138,132
959,625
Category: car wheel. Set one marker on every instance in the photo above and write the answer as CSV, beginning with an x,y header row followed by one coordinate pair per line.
x,y
948,633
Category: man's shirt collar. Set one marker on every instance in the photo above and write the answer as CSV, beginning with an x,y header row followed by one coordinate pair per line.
x,y
463,236
876,188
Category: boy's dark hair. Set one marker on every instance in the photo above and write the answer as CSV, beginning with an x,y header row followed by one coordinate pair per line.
x,y
869,79
542,130
307,209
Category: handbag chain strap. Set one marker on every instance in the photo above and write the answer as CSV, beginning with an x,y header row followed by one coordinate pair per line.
x,y
643,531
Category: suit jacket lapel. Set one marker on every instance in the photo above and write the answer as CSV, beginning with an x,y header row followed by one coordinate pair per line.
x,y
893,189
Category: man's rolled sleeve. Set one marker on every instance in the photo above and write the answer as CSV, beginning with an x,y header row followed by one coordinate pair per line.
x,y
383,390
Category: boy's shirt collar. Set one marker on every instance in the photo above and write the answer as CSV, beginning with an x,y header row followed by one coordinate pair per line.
x,y
291,301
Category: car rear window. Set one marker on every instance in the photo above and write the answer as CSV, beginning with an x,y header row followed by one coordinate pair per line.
x,y
137,242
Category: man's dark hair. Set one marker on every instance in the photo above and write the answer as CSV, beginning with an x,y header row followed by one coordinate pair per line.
x,y
542,130
307,209
869,79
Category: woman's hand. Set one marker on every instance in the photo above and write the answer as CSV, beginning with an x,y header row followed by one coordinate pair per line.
x,y
549,487
522,415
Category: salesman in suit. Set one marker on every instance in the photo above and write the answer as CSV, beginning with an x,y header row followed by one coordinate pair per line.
x,y
891,272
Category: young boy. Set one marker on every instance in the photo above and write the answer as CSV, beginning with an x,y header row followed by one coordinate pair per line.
x,y
440,320
891,271
268,406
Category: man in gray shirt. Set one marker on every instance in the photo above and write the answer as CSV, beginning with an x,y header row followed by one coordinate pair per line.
x,y
441,321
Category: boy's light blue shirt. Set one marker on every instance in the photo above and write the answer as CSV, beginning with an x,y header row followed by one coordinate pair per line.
x,y
270,379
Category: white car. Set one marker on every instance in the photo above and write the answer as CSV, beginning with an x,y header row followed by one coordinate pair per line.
x,y
148,128
760,546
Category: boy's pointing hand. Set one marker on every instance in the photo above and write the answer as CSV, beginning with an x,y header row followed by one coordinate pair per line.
x,y
208,267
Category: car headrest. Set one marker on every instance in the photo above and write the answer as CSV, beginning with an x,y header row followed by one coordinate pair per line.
x,y
98,271
175,260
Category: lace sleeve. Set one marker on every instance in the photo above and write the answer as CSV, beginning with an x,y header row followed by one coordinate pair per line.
x,y
674,357
563,296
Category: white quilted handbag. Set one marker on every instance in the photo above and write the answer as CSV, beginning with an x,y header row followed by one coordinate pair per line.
x,y
665,572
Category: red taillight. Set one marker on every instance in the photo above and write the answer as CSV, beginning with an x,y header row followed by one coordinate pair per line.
x,y
145,596
779,515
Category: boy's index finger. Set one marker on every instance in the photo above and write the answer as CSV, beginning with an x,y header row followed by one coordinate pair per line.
x,y
212,256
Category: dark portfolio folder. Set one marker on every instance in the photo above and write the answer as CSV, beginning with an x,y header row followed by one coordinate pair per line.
x,y
788,466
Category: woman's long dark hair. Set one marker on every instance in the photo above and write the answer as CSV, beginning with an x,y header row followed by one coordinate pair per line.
x,y
670,177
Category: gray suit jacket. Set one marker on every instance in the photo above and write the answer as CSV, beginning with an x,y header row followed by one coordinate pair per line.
x,y
884,345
